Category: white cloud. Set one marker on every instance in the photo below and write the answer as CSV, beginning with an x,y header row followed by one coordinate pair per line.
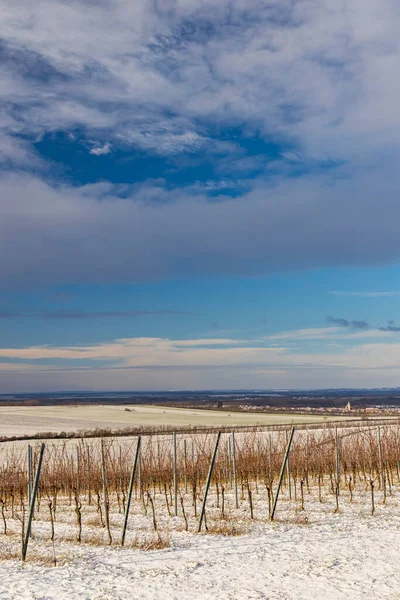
x,y
100,150
320,73
160,363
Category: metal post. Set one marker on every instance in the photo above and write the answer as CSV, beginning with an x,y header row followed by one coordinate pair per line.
x,y
382,474
234,470
185,464
307,460
88,476
128,502
270,458
32,503
337,461
288,473
29,473
105,491
77,469
140,475
175,477
282,472
120,469
210,470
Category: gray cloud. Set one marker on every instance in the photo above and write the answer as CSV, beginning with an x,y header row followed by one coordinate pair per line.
x,y
158,78
345,323
390,327
60,234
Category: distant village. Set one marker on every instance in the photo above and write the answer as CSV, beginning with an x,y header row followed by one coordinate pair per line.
x,y
335,410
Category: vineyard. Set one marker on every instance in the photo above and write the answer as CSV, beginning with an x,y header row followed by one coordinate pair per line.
x,y
138,492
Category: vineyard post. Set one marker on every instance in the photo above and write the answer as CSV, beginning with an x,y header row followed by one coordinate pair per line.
x,y
337,461
88,476
77,469
128,502
32,504
185,464
140,475
307,461
381,471
210,470
270,456
288,472
175,476
120,470
234,469
29,473
281,473
105,491
230,461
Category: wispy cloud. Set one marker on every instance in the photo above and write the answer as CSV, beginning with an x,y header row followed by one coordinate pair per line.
x,y
83,315
316,333
366,294
328,334
197,363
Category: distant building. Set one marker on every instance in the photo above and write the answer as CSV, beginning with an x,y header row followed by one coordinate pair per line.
x,y
347,407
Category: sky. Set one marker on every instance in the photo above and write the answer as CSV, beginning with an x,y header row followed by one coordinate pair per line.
x,y
199,194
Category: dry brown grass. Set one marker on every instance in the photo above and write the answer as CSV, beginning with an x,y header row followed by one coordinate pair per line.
x,y
225,528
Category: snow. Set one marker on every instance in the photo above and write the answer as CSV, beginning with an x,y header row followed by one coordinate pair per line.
x,y
340,557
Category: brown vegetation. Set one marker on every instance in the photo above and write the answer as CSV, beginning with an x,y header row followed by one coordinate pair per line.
x,y
84,483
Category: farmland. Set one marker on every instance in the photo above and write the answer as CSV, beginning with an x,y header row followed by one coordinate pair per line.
x,y
28,420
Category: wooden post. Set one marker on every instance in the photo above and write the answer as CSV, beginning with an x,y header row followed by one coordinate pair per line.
x,y
210,470
32,504
175,476
282,472
128,502
234,470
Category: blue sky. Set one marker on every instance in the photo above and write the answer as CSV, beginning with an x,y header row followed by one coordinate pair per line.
x,y
198,196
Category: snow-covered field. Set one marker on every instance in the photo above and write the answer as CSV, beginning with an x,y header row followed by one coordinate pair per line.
x,y
340,559
313,554
28,420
